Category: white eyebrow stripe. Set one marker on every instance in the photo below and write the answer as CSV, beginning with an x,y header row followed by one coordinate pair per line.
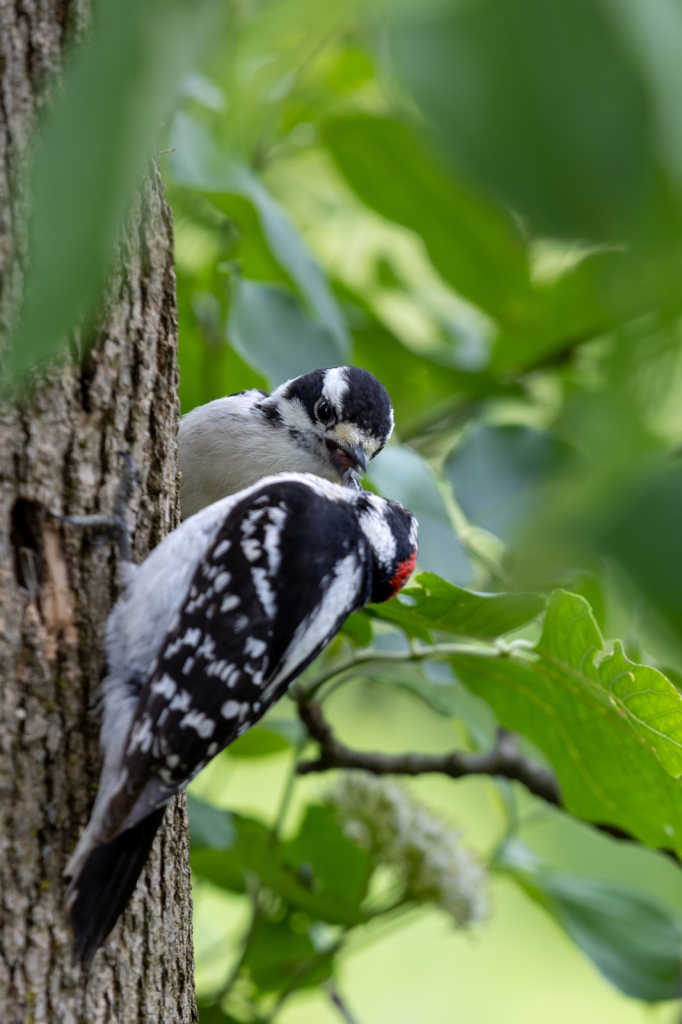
x,y
335,386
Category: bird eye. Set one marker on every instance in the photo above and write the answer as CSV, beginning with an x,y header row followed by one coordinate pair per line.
x,y
324,411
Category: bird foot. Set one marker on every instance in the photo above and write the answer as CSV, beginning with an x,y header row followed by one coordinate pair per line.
x,y
114,526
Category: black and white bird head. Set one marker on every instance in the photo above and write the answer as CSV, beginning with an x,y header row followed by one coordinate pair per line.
x,y
329,422
341,416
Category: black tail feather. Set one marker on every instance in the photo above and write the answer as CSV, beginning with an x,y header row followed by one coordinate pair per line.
x,y
106,883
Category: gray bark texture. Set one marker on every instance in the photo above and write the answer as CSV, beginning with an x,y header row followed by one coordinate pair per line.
x,y
58,454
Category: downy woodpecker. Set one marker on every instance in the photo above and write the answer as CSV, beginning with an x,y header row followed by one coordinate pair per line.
x,y
328,422
211,630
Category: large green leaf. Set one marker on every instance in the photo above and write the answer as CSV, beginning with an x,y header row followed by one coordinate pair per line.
x,y
94,146
435,604
635,942
542,103
611,729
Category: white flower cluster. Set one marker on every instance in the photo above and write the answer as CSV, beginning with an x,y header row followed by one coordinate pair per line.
x,y
382,817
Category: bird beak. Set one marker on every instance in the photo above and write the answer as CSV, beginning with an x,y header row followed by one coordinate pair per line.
x,y
357,453
349,459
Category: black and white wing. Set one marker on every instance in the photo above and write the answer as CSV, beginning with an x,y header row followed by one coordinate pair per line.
x,y
285,568
276,571
284,571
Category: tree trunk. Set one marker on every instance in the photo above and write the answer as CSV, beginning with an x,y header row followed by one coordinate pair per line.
x,y
58,454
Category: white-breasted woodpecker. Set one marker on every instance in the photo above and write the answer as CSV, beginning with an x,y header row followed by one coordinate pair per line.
x,y
328,422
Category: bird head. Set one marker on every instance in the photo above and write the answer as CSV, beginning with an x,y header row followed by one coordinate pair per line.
x,y
391,532
343,416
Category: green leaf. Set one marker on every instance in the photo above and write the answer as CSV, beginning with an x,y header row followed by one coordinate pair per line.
x,y
212,1013
258,742
610,729
196,163
279,955
221,867
496,473
474,246
208,825
402,474
634,942
435,604
358,627
590,585
340,867
571,151
94,144
256,852
642,695
270,330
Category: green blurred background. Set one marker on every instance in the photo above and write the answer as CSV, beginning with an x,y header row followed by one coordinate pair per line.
x,y
480,202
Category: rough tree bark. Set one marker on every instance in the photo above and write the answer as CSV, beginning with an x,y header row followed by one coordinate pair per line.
x,y
58,454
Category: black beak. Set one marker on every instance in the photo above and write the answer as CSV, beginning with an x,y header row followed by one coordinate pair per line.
x,y
348,459
357,453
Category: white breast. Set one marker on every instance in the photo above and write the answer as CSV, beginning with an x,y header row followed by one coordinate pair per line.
x,y
226,446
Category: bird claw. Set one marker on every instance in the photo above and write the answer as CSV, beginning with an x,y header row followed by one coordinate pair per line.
x,y
115,525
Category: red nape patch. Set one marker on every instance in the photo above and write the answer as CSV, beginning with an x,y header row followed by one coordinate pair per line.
x,y
403,573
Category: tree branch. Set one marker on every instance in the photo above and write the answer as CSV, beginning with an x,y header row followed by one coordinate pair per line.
x,y
504,760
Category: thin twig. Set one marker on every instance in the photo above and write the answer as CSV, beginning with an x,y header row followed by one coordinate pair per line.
x,y
338,1002
432,652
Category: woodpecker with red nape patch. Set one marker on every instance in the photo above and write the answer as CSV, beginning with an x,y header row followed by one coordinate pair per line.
x,y
328,422
211,629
